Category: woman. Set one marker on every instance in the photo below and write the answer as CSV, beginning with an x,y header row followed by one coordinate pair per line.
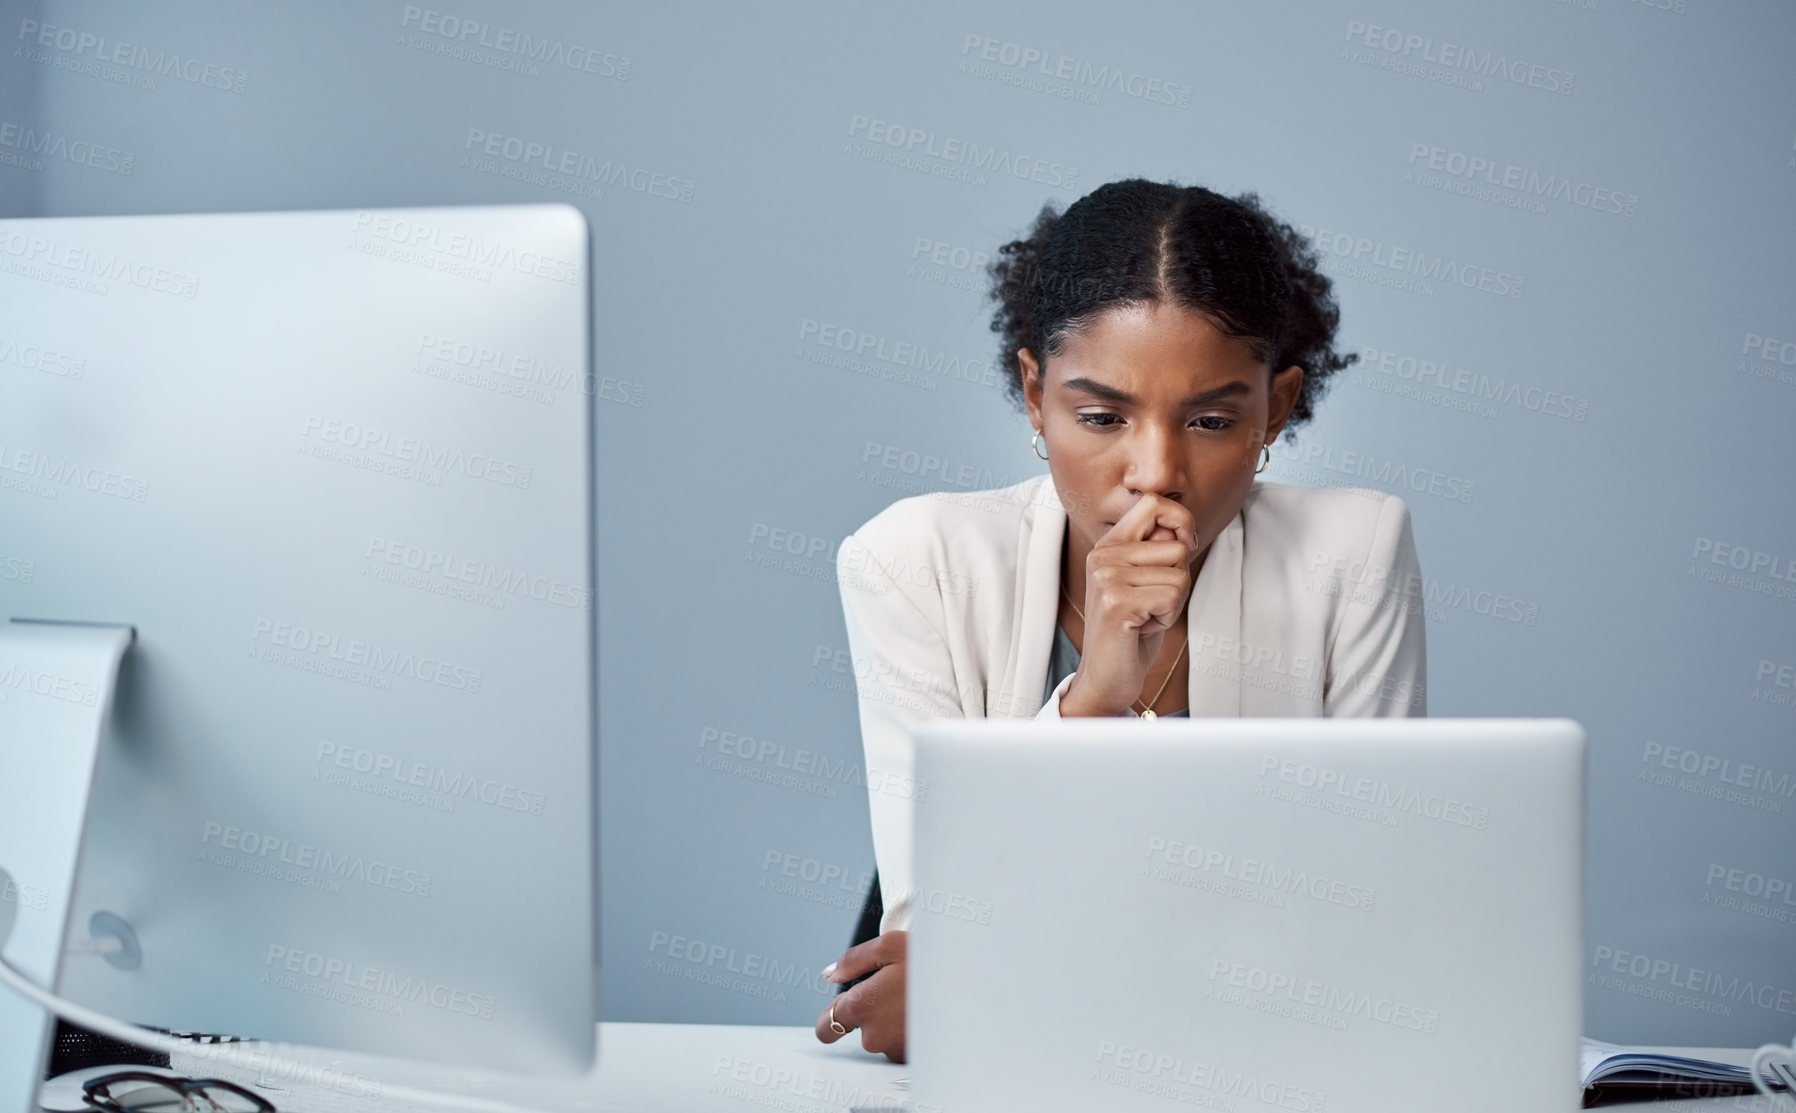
x,y
1163,337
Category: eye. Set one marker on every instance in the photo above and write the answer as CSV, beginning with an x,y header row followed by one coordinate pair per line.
x,y
1214,423
1098,419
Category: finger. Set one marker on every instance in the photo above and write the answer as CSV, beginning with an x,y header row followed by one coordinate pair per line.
x,y
864,958
1177,519
1166,553
879,1011
844,1013
1139,599
1138,613
1149,513
1151,610
1164,605
1113,582
1136,523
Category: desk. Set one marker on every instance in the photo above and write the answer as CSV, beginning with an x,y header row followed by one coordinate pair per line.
x,y
643,1068
717,1068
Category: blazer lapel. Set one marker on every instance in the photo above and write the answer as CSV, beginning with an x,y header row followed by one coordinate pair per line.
x,y
1213,618
1037,603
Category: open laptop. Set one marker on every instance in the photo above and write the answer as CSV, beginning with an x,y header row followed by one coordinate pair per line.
x,y
1313,915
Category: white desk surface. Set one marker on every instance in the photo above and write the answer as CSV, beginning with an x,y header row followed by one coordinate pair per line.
x,y
643,1068
701,1068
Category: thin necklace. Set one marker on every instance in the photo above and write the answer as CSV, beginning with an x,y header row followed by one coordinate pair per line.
x,y
1147,711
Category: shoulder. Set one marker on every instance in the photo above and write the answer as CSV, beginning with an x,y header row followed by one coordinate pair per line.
x,y
958,523
1324,527
958,552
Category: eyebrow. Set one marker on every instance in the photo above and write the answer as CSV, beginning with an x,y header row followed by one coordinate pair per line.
x,y
1124,398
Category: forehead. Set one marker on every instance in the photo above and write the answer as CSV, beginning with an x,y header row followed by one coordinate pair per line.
x,y
1154,342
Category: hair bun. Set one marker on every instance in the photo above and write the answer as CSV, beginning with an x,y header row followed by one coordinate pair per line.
x,y
1016,286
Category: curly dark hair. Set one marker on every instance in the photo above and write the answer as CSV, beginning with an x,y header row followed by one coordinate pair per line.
x,y
1137,242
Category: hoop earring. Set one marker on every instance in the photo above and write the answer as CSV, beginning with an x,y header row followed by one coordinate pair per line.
x,y
1265,458
1035,443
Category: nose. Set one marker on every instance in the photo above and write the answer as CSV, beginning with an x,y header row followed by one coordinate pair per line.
x,y
1156,464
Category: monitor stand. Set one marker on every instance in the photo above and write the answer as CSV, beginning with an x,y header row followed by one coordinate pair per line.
x,y
56,686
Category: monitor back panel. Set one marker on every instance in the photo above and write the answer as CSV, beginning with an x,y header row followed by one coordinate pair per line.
x,y
335,468
1306,915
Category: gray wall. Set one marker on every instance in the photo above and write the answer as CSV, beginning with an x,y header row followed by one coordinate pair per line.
x,y
21,193
1566,375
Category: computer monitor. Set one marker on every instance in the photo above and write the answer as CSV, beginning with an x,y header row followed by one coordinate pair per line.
x,y
335,470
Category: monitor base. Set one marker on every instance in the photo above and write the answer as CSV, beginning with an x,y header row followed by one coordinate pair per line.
x,y
56,685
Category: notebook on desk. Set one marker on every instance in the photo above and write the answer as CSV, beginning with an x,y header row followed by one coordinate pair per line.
x,y
1613,1074
1305,915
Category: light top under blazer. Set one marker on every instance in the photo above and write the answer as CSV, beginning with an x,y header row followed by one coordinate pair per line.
x,y
1309,603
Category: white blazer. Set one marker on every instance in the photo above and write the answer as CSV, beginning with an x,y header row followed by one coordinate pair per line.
x,y
1308,604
